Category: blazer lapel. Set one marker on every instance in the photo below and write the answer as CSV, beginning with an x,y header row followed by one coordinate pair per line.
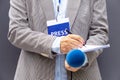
x,y
72,9
48,9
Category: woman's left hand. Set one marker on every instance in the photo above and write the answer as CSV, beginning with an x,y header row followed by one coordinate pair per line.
x,y
68,67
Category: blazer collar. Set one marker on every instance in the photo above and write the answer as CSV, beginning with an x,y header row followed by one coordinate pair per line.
x,y
71,12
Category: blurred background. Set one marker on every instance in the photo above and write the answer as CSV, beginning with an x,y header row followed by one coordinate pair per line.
x,y
109,61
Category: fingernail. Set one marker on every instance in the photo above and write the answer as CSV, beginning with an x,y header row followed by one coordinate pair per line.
x,y
80,46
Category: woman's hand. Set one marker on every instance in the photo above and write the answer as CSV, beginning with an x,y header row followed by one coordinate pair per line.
x,y
69,68
70,42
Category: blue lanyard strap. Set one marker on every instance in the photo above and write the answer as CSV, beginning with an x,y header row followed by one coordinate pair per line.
x,y
58,7
59,1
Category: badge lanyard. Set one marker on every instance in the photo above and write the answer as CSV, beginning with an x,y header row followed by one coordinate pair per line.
x,y
58,8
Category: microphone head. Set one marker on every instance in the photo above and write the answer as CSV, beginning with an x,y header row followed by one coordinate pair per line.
x,y
75,58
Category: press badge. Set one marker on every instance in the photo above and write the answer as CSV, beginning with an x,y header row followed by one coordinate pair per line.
x,y
58,27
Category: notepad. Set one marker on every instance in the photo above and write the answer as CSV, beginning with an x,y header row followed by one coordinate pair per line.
x,y
88,48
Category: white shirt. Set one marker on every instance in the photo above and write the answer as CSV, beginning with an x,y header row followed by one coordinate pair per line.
x,y
56,44
62,8
59,15
60,71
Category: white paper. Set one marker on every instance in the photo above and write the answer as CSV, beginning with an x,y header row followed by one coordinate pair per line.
x,y
88,48
55,22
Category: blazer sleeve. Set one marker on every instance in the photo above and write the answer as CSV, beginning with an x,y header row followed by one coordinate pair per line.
x,y
21,36
98,33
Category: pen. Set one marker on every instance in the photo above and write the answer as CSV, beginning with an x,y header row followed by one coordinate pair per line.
x,y
68,32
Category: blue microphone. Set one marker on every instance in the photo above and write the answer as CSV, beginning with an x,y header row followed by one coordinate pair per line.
x,y
75,58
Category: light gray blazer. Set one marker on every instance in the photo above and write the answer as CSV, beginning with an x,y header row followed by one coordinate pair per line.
x,y
28,31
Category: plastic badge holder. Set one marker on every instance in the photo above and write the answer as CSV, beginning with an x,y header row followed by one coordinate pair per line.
x,y
75,58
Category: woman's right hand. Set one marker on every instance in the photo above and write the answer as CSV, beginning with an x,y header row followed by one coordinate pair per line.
x,y
70,42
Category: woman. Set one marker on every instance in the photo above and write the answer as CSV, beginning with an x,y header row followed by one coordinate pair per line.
x,y
28,31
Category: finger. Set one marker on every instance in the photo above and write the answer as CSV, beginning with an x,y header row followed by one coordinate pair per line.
x,y
70,68
66,49
73,44
69,40
76,43
76,37
68,44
